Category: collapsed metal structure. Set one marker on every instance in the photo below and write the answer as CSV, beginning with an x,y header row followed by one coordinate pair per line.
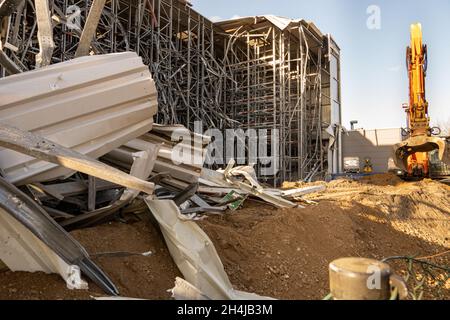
x,y
258,72
282,75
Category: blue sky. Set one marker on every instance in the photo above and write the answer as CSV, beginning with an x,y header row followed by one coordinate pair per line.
x,y
374,79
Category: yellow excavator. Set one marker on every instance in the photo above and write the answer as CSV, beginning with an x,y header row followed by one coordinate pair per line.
x,y
412,155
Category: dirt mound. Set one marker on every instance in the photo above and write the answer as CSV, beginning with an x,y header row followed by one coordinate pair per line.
x,y
285,253
273,252
135,276
420,209
382,179
299,184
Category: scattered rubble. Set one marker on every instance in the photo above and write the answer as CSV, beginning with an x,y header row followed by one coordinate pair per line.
x,y
291,266
153,152
80,153
91,105
32,241
146,277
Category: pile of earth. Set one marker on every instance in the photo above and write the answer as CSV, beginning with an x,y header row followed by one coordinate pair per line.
x,y
283,253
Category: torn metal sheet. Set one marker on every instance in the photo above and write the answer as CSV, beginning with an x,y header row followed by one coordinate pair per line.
x,y
275,200
16,254
30,240
173,139
90,104
141,168
180,172
281,23
225,179
253,185
41,148
194,253
183,290
216,178
191,213
217,190
169,130
202,207
293,193
205,206
185,194
70,188
44,190
246,171
185,198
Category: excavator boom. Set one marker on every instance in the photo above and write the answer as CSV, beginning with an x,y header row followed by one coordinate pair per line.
x,y
412,154
416,58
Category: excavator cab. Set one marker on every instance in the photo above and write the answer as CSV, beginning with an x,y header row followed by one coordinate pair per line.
x,y
412,154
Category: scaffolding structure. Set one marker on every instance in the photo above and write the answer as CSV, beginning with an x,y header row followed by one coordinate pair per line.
x,y
259,72
174,40
277,66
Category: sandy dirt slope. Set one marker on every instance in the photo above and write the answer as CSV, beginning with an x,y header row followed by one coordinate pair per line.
x,y
135,276
420,209
292,263
285,253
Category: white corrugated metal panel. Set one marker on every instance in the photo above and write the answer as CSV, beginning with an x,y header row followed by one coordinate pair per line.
x,y
186,168
281,23
90,104
21,250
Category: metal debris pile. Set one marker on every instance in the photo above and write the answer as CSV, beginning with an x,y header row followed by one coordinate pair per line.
x,y
262,73
79,148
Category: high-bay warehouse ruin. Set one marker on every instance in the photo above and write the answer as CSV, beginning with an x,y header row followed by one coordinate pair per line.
x,y
262,72
148,152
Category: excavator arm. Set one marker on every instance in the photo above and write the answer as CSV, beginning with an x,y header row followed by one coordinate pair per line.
x,y
416,59
412,154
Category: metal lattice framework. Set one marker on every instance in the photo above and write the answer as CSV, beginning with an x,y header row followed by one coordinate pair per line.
x,y
277,73
237,74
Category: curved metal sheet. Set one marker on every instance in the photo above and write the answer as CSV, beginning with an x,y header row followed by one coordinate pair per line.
x,y
91,104
39,242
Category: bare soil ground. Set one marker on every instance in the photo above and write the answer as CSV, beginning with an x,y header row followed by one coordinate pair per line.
x,y
279,253
135,276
